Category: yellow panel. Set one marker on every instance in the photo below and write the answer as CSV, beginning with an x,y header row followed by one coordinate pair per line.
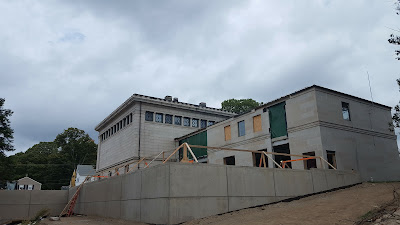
x,y
257,123
227,133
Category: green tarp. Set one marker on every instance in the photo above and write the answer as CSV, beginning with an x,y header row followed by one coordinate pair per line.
x,y
198,139
277,120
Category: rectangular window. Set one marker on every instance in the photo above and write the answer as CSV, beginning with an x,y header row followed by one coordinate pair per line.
x,y
124,121
331,156
229,160
178,120
148,116
120,124
127,119
203,123
159,117
259,159
117,126
195,122
186,122
227,131
30,186
168,119
310,163
346,111
257,123
126,168
210,123
241,129
130,115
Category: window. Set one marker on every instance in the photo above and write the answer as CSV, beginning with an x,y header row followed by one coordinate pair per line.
x,y
203,123
210,123
229,160
259,159
159,117
124,122
186,121
331,158
109,173
115,128
127,119
126,168
241,129
310,163
227,131
346,111
257,123
130,115
195,122
21,187
178,120
168,119
148,116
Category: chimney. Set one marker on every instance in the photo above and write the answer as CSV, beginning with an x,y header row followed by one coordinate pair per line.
x,y
202,104
168,98
175,100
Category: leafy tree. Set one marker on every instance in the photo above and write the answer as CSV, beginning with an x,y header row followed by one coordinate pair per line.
x,y
239,106
77,146
394,39
6,133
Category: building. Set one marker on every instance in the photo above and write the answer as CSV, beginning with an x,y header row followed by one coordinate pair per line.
x,y
350,132
27,183
144,126
82,171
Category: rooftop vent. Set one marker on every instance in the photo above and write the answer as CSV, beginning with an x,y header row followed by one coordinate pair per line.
x,y
175,100
202,104
168,98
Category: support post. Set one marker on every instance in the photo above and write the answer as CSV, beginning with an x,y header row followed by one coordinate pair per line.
x,y
185,158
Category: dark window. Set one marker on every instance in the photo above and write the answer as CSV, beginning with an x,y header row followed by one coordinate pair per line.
x,y
178,120
159,117
203,123
117,126
331,156
126,168
127,119
186,121
279,158
149,116
168,119
195,122
258,159
310,163
130,115
346,111
124,122
210,123
241,129
229,160
120,124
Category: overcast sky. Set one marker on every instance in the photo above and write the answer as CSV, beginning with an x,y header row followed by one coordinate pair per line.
x,y
71,63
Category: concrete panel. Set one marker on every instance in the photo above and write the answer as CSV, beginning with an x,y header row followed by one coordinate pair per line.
x,y
290,182
236,203
114,188
131,186
250,181
95,191
55,209
155,182
154,210
100,209
113,209
185,209
10,211
197,180
334,179
130,210
15,197
319,180
47,197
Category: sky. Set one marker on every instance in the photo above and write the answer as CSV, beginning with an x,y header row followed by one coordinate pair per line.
x,y
71,63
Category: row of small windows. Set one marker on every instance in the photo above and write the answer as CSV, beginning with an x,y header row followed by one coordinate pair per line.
x,y
116,127
177,120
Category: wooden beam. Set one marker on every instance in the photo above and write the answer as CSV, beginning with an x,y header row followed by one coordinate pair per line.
x,y
191,152
328,163
269,157
180,146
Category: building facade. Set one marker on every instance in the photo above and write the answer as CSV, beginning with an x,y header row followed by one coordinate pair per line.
x,y
144,126
350,132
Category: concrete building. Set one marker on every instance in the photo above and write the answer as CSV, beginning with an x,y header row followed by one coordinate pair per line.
x,y
27,183
144,126
350,132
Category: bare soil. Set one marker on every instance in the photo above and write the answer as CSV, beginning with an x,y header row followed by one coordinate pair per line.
x,y
361,204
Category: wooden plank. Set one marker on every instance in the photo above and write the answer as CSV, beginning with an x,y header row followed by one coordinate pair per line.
x,y
227,131
263,158
257,125
328,163
269,157
191,152
180,146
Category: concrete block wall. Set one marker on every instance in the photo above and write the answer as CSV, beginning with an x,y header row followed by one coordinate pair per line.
x,y
175,192
23,204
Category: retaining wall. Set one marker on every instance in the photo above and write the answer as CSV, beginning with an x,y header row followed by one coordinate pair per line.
x,y
24,204
176,192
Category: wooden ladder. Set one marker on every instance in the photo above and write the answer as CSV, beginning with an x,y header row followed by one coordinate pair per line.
x,y
71,204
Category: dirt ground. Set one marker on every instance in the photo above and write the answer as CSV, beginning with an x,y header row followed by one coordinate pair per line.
x,y
366,202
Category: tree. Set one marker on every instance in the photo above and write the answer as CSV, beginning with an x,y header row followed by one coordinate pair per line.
x,y
77,146
6,133
239,106
394,39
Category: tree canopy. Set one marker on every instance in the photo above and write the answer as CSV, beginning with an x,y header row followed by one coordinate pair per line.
x,y
6,133
239,106
394,39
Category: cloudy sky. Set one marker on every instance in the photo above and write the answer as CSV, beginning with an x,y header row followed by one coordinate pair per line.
x,y
70,63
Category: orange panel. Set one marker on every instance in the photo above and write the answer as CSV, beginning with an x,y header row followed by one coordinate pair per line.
x,y
257,123
227,133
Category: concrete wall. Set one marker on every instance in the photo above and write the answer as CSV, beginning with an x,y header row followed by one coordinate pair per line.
x,y
176,192
25,204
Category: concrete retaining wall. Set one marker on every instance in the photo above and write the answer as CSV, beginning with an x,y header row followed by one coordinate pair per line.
x,y
175,192
23,204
